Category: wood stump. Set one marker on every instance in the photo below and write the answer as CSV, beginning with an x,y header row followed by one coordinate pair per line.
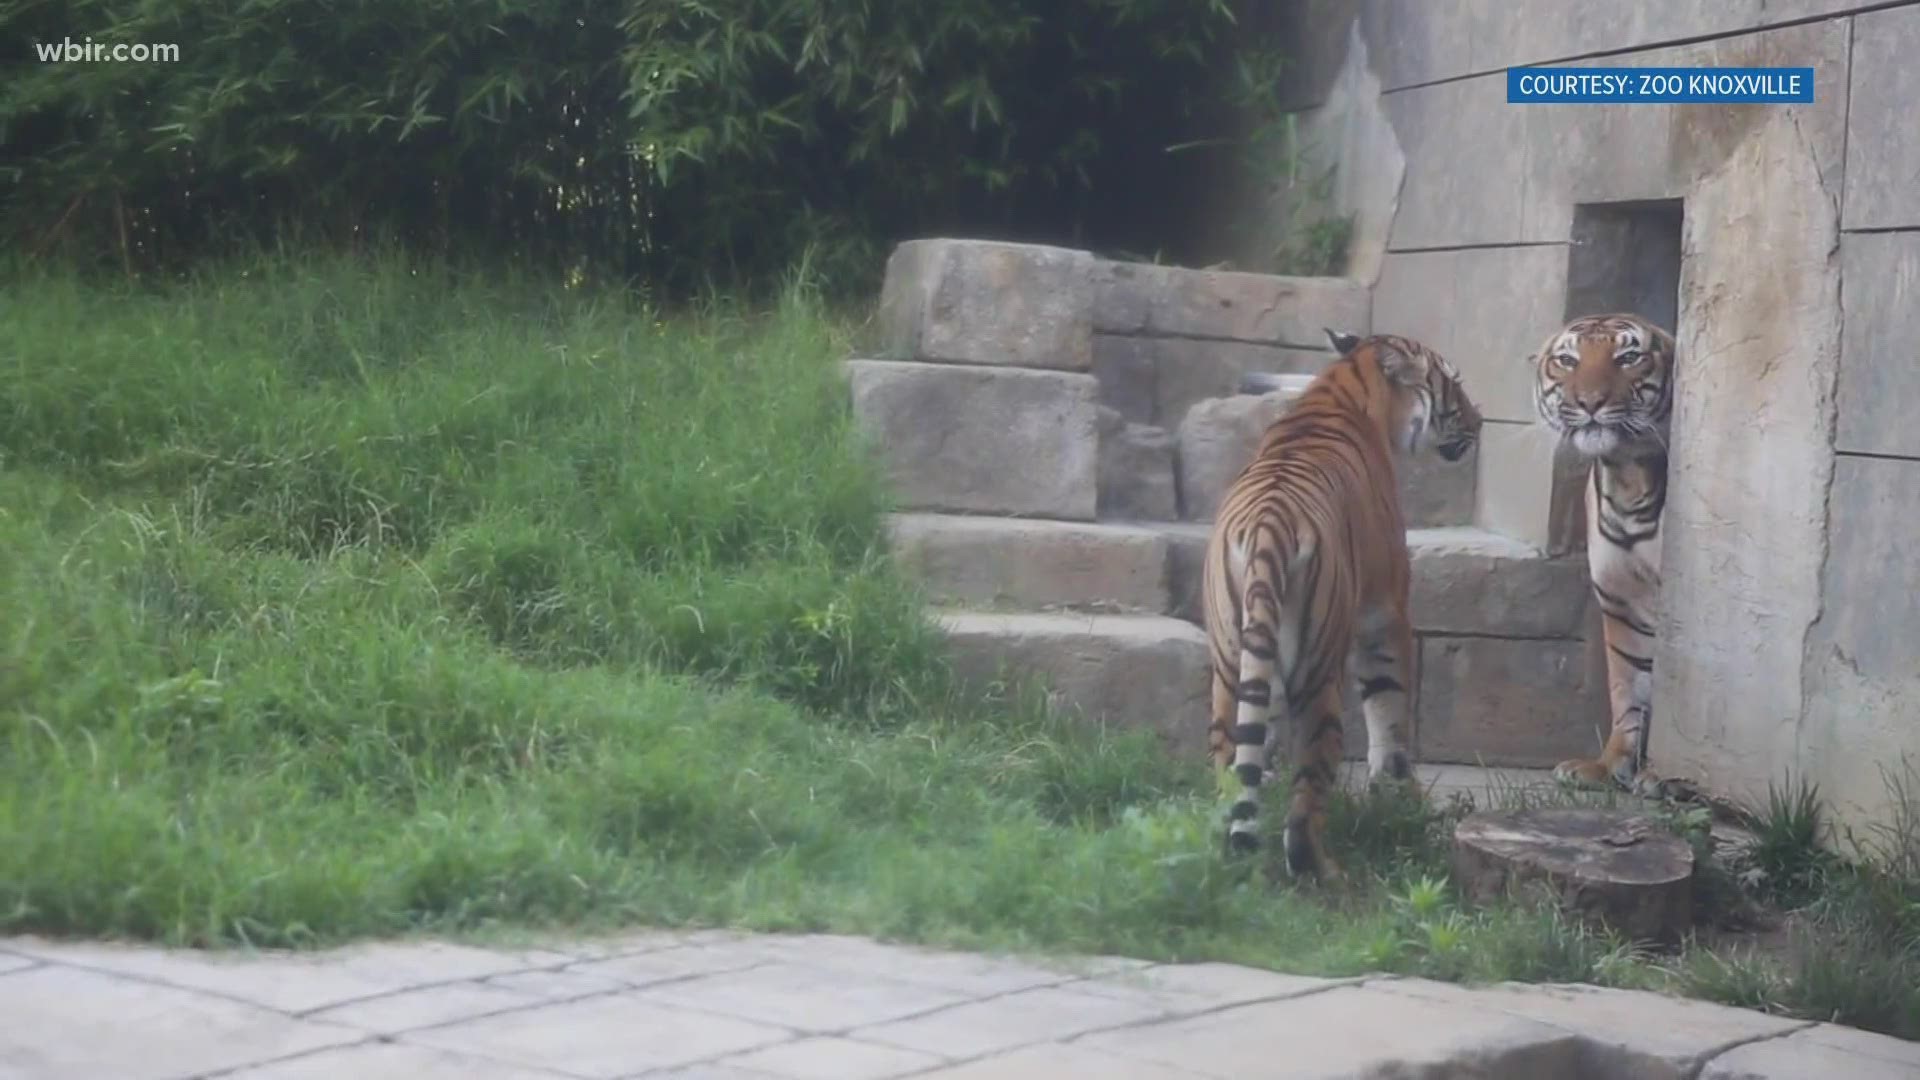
x,y
1616,868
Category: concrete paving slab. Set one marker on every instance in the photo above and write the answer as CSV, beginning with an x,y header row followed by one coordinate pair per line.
x,y
834,1058
803,998
390,1061
64,1023
1003,1023
601,1038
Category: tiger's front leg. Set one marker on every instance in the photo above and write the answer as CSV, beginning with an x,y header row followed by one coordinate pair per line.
x,y
1629,642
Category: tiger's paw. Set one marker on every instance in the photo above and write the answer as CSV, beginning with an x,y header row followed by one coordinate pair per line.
x,y
1305,859
1584,772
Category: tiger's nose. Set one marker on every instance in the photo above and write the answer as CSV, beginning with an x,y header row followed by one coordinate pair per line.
x,y
1590,402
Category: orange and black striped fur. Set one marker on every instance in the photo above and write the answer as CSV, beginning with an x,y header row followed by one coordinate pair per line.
x,y
1307,576
1604,384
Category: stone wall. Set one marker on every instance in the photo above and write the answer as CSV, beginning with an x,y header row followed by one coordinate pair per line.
x,y
1791,622
1058,430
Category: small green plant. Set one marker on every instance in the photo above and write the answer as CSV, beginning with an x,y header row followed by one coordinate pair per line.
x,y
1787,862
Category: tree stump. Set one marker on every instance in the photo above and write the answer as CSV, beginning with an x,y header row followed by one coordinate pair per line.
x,y
1611,867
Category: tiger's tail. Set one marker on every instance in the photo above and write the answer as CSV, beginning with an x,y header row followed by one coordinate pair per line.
x,y
1254,692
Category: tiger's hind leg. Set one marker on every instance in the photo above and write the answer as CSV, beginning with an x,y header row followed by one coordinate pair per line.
x,y
1220,717
1316,761
1382,665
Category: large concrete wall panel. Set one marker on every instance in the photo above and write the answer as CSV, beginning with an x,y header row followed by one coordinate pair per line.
x,y
1883,150
1424,41
1744,537
1880,349
1863,672
1481,171
1485,309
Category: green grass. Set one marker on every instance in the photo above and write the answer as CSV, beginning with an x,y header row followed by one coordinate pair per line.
x,y
350,598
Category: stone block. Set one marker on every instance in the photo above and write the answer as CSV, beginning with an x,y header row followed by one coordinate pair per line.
x,y
1188,371
1435,492
1516,493
1186,561
1032,564
1883,158
1130,671
1124,366
1470,581
1218,438
984,440
1505,702
1879,384
1142,298
1486,310
1154,380
984,302
1136,471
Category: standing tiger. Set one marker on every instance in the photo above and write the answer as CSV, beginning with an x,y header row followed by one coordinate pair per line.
x,y
1307,577
1604,384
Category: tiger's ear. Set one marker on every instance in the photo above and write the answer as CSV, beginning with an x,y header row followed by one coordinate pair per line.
x,y
1402,367
1343,342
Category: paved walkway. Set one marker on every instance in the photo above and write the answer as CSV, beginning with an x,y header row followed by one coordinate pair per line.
x,y
718,1006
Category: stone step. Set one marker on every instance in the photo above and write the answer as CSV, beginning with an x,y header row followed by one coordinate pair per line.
x,y
1504,675
1030,563
1465,581
987,440
1144,672
1217,436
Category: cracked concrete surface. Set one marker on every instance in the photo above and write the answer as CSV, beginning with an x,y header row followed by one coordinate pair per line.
x,y
724,1006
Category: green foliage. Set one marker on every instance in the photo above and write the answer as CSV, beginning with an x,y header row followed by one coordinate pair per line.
x,y
685,140
1787,862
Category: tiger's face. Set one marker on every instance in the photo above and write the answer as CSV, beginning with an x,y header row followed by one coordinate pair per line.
x,y
1429,407
1605,381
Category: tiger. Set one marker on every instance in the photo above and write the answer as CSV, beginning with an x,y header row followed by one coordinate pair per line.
x,y
1306,579
1604,385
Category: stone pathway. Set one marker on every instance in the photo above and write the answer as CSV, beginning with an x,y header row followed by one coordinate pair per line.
x,y
719,1006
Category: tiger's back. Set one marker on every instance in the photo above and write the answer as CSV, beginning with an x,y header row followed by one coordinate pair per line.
x,y
1307,576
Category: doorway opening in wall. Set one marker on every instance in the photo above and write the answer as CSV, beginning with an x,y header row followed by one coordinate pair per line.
x,y
1625,256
